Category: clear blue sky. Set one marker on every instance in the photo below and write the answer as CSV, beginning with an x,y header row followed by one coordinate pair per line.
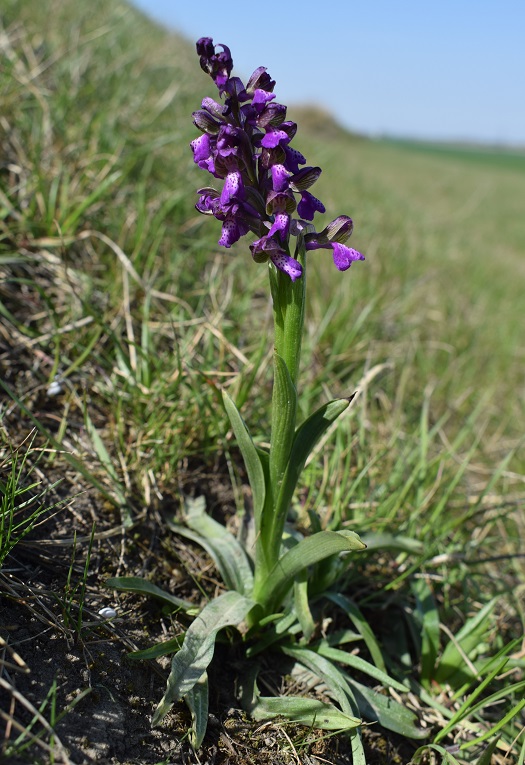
x,y
431,69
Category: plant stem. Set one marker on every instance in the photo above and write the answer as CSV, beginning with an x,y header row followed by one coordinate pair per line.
x,y
288,309
288,312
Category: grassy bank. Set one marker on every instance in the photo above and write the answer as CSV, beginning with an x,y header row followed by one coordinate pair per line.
x,y
114,292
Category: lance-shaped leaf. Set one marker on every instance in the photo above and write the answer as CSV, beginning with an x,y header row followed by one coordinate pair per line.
x,y
250,455
306,436
427,615
337,687
307,552
448,758
305,711
302,606
284,409
310,712
361,624
464,644
359,664
193,659
335,680
143,587
386,541
197,700
225,550
159,649
386,710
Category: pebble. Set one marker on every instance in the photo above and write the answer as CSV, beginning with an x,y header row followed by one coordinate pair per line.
x,y
107,613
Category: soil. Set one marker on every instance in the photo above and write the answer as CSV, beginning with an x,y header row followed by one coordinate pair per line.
x,y
69,692
57,647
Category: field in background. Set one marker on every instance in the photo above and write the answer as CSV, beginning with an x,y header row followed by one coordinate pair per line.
x,y
512,158
112,286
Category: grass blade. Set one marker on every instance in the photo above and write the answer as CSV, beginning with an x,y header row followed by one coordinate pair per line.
x,y
143,587
350,608
360,665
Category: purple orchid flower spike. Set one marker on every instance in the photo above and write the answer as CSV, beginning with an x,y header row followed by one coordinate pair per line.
x,y
246,143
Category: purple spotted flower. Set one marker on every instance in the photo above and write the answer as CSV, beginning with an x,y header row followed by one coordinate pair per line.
x,y
246,143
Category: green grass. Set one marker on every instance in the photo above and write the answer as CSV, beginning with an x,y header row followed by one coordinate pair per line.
x,y
501,157
112,283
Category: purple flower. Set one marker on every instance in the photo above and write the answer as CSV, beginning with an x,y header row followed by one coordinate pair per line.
x,y
268,248
246,143
309,205
333,237
219,65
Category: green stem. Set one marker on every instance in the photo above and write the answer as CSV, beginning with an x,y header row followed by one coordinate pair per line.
x,y
288,313
288,309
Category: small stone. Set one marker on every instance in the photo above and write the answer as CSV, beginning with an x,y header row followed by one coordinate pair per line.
x,y
55,388
107,613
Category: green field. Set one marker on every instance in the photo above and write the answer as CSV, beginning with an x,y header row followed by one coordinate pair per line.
x,y
114,286
502,157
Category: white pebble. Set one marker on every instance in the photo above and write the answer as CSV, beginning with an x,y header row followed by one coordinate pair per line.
x,y
55,388
107,613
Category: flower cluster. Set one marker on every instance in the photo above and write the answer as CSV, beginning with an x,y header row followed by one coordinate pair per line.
x,y
245,141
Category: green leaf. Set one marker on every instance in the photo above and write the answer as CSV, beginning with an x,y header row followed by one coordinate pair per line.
x,y
302,607
304,554
350,608
198,701
448,759
286,624
430,633
306,436
143,587
309,712
486,757
335,679
386,541
496,666
227,552
284,409
159,649
465,642
305,711
359,664
338,688
250,455
188,665
349,696
358,752
387,711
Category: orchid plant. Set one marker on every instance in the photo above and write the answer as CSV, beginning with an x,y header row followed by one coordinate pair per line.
x,y
274,577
